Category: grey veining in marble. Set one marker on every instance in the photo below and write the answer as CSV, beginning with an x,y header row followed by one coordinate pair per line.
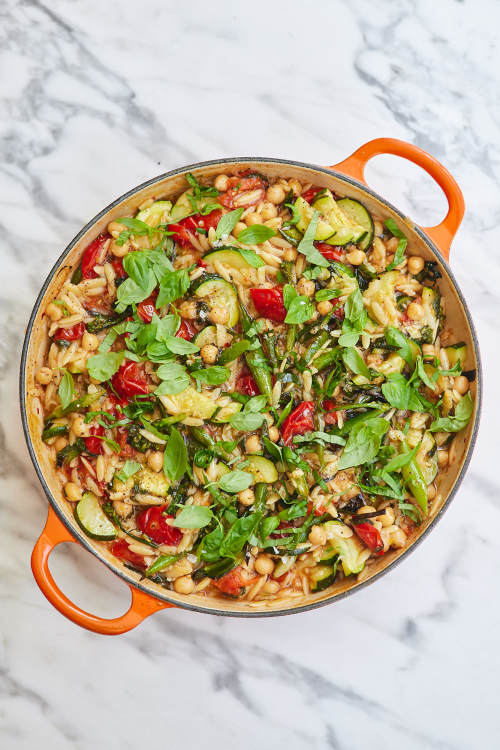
x,y
98,97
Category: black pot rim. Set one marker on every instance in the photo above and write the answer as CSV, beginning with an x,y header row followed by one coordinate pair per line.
x,y
75,531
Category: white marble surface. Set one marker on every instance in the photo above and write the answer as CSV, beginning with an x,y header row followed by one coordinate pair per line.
x,y
97,97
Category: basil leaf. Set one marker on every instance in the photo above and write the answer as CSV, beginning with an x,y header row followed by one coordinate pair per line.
x,y
193,517
175,379
354,320
306,246
319,437
300,308
130,292
128,470
173,285
137,267
394,229
215,375
103,366
355,362
401,394
236,481
66,389
167,327
160,264
233,352
399,461
394,337
178,345
251,257
246,422
463,412
256,234
323,294
238,534
210,544
175,458
419,369
228,222
255,404
363,442
398,255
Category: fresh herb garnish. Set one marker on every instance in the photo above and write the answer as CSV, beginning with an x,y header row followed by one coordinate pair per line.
x,y
306,245
175,458
66,389
256,234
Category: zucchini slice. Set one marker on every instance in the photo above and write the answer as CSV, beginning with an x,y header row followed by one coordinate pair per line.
x,y
151,482
206,336
217,292
291,235
191,403
324,231
226,412
262,469
426,458
352,553
431,302
345,229
228,256
322,576
92,519
157,213
456,353
183,207
359,214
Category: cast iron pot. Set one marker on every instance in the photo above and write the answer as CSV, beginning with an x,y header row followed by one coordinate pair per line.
x,y
346,179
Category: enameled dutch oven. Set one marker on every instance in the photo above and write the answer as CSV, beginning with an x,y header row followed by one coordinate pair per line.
x,y
346,179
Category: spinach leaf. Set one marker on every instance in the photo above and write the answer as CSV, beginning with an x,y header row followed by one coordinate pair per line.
x,y
227,222
173,285
66,389
306,244
175,458
193,517
463,412
238,534
363,442
402,394
103,366
208,549
256,234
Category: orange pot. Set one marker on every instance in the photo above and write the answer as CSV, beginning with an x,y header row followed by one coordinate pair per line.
x,y
345,178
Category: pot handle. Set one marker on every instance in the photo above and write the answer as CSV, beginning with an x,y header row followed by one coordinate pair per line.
x,y
442,234
141,606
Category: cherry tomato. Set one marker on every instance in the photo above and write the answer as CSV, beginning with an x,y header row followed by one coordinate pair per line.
x,y
239,184
330,252
209,220
120,549
95,444
118,268
126,449
183,231
339,313
153,522
246,384
311,193
146,309
269,303
370,536
233,583
318,509
186,331
92,255
298,422
200,262
331,416
70,334
130,379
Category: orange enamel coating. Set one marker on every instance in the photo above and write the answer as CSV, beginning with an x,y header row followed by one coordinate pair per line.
x,y
141,606
442,234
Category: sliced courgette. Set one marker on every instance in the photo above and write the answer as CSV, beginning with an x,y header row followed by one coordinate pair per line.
x,y
323,231
456,353
226,412
157,213
150,482
345,229
207,335
191,403
92,519
359,214
217,292
431,302
329,557
351,552
262,469
183,207
228,256
426,458
291,235
322,576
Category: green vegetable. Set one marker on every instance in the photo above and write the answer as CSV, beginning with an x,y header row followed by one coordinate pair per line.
x,y
300,308
102,367
355,362
215,375
54,431
306,245
415,482
363,442
92,519
354,320
463,413
256,234
161,563
257,363
407,349
69,452
173,285
193,517
128,470
175,459
227,222
238,534
401,394
235,481
66,389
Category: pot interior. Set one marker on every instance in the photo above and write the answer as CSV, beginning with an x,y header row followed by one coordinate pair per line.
x,y
168,186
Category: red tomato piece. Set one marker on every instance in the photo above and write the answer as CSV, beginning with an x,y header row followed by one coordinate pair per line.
x,y
298,422
240,184
330,252
146,309
209,220
186,331
269,303
246,384
118,268
93,254
233,583
331,416
311,193
126,449
200,262
153,522
130,379
120,549
94,444
70,334
370,536
183,231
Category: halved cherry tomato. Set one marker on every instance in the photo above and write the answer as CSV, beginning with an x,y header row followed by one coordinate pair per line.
x,y
118,268
120,549
269,303
70,334
240,184
183,231
153,522
330,252
95,444
311,193
92,255
233,583
200,262
130,379
330,417
298,422
370,536
209,220
186,331
146,309
246,384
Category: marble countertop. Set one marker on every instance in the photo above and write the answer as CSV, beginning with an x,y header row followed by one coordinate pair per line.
x,y
96,98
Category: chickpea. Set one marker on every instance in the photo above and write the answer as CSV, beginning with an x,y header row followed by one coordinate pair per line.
x,y
275,194
264,565
240,226
218,315
274,434
209,353
415,311
184,585
295,186
461,384
392,244
115,228
119,251
123,509
324,307
398,538
271,587
44,375
269,211
80,429
53,311
317,535
73,492
356,257
307,287
388,518
253,444
378,228
187,309
431,492
221,183
90,341
443,458
60,443
246,497
290,254
253,218
155,461
415,264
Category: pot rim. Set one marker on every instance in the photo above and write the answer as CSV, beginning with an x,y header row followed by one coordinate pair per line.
x,y
82,539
